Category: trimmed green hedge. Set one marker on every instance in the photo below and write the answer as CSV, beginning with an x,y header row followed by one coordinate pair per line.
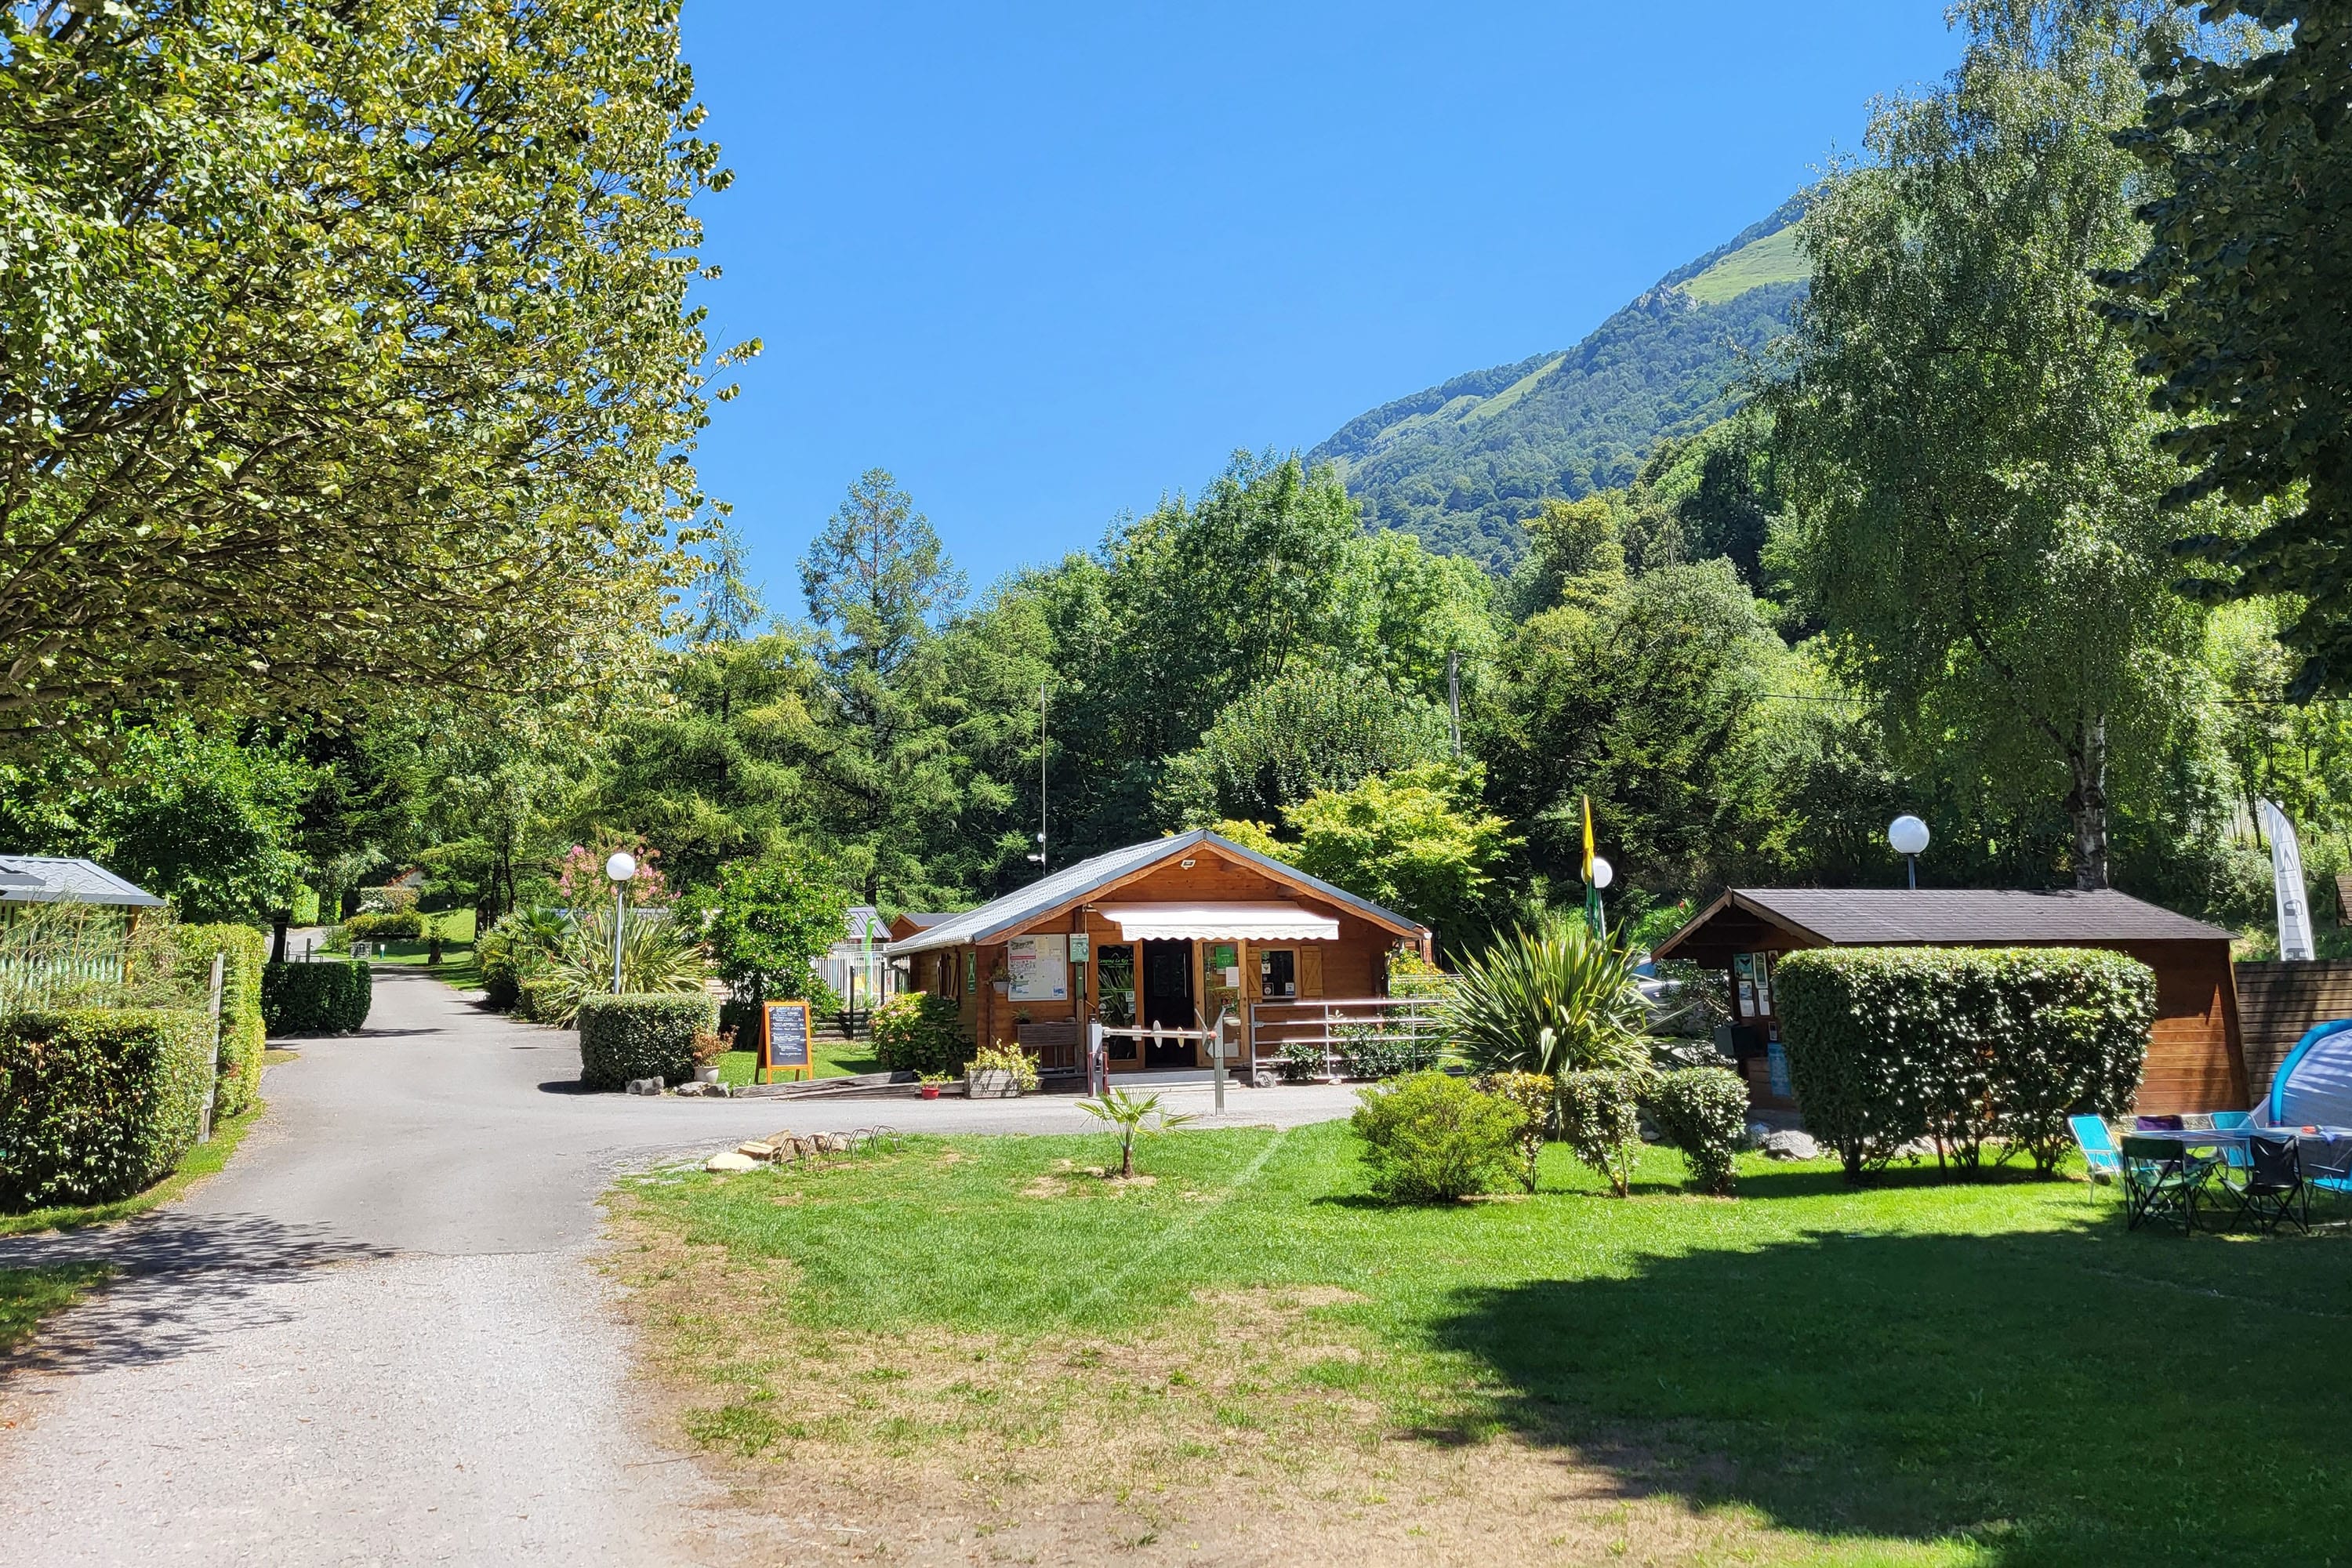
x,y
316,998
399,925
1702,1111
641,1034
1963,1046
918,1032
97,1103
243,1032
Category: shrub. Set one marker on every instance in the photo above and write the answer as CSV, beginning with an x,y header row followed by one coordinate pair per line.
x,y
316,998
1536,1097
541,999
1377,1050
1300,1060
1702,1111
641,1034
1007,1058
96,1104
1430,1137
1600,1116
399,925
1887,1044
661,954
244,1033
1560,1000
515,946
919,1033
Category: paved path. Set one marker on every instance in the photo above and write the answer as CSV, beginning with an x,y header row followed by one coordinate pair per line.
x,y
376,1338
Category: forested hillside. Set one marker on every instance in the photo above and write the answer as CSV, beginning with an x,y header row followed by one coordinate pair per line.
x,y
1466,464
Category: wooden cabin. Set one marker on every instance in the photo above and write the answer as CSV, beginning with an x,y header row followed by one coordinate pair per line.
x,y
2195,1057
1149,940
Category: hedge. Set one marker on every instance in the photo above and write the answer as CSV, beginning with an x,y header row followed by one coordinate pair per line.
x,y
918,1032
1963,1046
641,1034
316,998
397,925
97,1103
1702,1111
242,1031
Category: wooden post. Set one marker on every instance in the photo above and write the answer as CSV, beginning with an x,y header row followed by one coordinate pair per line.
x,y
211,1083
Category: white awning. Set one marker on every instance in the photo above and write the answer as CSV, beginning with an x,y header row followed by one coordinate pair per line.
x,y
1218,922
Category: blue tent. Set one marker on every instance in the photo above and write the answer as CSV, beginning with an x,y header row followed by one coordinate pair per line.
x,y
2313,1088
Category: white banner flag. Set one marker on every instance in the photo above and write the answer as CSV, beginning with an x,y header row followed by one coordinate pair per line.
x,y
2287,879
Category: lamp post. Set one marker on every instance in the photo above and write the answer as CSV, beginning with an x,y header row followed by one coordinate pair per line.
x,y
620,866
1603,873
1907,836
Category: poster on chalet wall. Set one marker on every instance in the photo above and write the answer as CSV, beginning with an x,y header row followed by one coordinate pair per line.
x,y
1040,967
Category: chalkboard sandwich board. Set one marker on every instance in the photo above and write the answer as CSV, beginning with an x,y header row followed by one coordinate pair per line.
x,y
784,1041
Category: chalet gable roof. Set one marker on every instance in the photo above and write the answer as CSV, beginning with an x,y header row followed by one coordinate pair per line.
x,y
1896,917
1076,883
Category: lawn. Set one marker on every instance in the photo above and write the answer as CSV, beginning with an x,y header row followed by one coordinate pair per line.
x,y
29,1295
1996,1373
833,1058
457,966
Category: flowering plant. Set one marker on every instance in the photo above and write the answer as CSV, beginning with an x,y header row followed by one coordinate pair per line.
x,y
584,881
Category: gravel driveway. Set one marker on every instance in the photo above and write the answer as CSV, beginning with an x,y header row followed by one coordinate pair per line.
x,y
377,1339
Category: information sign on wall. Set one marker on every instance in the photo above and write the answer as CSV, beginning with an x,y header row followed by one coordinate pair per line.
x,y
1040,968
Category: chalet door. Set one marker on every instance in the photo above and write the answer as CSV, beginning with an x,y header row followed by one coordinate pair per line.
x,y
1115,993
1167,1001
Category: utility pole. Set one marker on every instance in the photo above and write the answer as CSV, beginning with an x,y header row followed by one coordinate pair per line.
x,y
1040,856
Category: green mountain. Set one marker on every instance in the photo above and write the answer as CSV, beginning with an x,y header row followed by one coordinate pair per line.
x,y
1464,465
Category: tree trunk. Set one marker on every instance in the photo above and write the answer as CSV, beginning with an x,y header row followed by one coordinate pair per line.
x,y
2086,802
277,925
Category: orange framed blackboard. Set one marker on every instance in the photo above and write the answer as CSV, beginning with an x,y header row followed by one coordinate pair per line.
x,y
785,1040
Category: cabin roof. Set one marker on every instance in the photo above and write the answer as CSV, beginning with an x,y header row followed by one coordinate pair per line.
x,y
1894,917
57,880
1085,877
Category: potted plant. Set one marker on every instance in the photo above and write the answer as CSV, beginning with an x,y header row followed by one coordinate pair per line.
x,y
1000,1072
931,1081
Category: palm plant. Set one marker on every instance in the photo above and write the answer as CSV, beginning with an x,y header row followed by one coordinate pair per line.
x,y
1126,1114
1556,1000
661,949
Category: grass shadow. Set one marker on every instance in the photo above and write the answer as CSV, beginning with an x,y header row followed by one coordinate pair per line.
x,y
2063,1396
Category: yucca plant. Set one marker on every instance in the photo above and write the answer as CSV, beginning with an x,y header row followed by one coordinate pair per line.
x,y
661,949
1556,1000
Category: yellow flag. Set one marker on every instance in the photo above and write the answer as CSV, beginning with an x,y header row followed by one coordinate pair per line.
x,y
1588,838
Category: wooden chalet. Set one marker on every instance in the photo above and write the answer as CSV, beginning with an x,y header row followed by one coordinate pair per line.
x,y
2196,1058
1156,941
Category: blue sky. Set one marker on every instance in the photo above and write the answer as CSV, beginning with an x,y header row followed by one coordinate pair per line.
x,y
1047,262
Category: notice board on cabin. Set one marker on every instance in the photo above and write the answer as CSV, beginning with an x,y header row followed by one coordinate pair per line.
x,y
784,1039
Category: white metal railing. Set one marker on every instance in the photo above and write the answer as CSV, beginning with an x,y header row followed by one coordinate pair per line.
x,y
1342,1027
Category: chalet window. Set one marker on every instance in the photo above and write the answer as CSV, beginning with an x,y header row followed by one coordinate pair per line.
x,y
1278,974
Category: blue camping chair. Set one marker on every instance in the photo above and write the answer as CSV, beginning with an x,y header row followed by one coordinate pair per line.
x,y
2100,1155
2234,1157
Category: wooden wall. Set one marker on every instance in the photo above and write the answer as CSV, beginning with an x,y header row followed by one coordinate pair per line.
x,y
1353,965
2196,1056
2278,1001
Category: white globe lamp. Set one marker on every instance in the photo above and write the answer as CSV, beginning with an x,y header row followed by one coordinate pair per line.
x,y
1907,836
620,866
1603,873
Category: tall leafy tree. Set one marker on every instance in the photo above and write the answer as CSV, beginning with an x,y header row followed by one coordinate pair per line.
x,y
339,342
1968,460
878,585
2237,303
